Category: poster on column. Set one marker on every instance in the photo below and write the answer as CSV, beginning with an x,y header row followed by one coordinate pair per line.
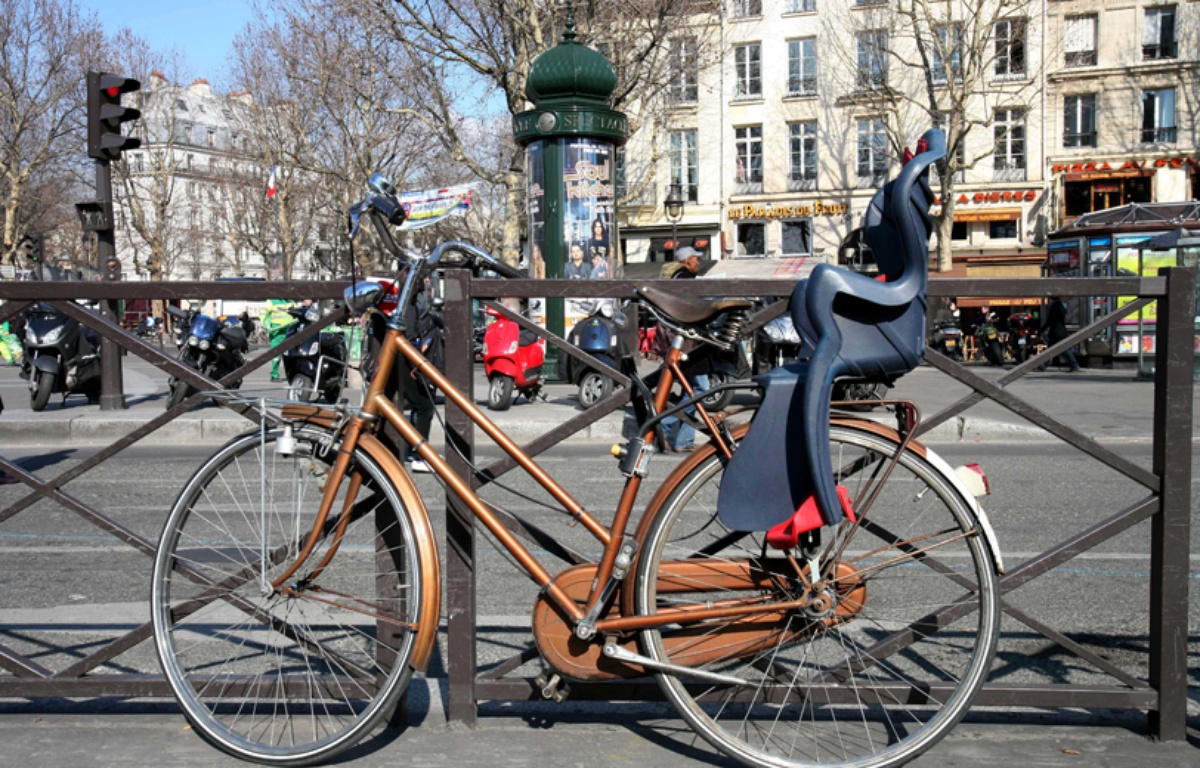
x,y
589,223
535,204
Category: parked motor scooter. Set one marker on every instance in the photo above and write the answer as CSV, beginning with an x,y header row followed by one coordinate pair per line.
x,y
512,359
1022,336
987,338
597,335
947,338
777,343
60,356
316,368
211,347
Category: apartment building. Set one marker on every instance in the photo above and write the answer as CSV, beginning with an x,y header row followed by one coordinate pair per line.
x,y
779,140
193,185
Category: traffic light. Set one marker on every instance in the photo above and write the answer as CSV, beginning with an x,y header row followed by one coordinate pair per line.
x,y
112,269
31,247
105,115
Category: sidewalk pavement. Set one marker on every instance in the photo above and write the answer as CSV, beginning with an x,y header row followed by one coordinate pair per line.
x,y
102,734
1104,405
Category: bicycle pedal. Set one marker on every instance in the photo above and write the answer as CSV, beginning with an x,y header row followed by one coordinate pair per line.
x,y
554,689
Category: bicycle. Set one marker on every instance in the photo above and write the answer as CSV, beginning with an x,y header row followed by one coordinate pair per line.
x,y
296,584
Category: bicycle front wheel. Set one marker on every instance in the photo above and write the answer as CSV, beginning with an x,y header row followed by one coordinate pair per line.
x,y
294,673
873,672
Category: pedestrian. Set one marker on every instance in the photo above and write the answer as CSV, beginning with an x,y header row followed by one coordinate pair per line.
x,y
680,436
276,322
685,266
1055,329
11,349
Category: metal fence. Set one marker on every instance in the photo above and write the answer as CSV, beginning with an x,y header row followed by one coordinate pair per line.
x,y
1166,487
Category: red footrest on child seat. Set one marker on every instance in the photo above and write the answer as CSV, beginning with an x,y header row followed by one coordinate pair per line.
x,y
808,518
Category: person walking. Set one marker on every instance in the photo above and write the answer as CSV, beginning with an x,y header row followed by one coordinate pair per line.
x,y
276,322
1056,330
678,434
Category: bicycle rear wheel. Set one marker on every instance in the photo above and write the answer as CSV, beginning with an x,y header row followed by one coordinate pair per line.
x,y
871,677
295,674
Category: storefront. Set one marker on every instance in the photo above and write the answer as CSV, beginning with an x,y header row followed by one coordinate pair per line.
x,y
787,229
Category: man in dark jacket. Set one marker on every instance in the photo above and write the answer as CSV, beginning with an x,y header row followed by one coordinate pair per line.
x,y
1056,329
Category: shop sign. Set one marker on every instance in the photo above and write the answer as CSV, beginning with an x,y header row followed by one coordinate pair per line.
x,y
1011,196
1091,166
796,211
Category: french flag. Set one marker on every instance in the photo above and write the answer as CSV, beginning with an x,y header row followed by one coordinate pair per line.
x,y
271,188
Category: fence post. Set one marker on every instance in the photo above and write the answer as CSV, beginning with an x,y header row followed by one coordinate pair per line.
x,y
1170,527
460,523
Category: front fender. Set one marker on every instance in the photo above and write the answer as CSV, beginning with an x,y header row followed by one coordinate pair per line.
x,y
505,366
48,364
431,579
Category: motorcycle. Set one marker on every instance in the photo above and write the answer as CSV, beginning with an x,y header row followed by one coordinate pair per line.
x,y
597,335
512,359
1022,336
777,343
947,338
60,355
209,346
987,338
316,368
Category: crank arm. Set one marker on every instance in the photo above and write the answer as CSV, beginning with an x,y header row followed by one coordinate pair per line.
x,y
614,651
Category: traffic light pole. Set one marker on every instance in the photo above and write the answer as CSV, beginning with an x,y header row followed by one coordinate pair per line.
x,y
112,384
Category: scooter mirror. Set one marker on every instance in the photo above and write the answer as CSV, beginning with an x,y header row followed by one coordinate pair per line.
x,y
439,302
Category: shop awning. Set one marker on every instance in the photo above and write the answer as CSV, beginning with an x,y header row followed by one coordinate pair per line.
x,y
990,214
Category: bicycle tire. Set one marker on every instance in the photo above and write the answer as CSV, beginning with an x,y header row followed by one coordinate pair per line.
x,y
820,690
284,680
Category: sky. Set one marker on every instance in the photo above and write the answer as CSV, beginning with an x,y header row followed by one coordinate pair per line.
x,y
202,30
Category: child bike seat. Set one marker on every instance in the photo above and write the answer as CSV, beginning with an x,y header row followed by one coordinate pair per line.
x,y
854,327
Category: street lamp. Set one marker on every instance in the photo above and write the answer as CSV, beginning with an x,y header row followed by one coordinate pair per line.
x,y
673,205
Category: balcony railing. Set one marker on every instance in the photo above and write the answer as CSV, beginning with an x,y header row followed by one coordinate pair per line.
x,y
1159,51
1009,173
799,184
1081,58
1085,139
1158,135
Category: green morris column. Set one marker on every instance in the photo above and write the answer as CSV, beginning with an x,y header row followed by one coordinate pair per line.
x,y
571,138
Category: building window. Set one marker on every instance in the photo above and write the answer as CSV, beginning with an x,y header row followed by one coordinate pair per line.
x,y
1158,116
188,164
1158,34
682,89
872,60
752,239
802,156
1002,230
748,145
872,153
960,230
870,2
139,163
1079,121
1079,40
802,67
797,238
212,137
1010,48
747,59
800,6
1009,147
947,53
684,164
960,153
745,8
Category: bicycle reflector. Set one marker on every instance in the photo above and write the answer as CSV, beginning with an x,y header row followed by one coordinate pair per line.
x,y
975,479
